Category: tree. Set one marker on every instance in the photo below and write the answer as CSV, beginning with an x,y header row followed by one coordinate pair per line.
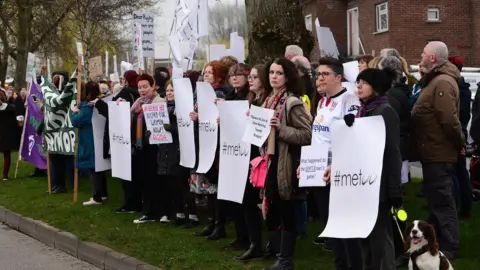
x,y
272,26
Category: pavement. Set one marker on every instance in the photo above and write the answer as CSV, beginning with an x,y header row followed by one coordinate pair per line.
x,y
21,252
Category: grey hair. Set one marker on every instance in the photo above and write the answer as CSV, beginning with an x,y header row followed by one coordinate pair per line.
x,y
389,52
440,50
394,64
294,49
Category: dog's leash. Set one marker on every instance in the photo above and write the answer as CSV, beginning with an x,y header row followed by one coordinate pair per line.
x,y
399,214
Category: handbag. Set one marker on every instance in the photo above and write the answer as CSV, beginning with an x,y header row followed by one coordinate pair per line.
x,y
259,170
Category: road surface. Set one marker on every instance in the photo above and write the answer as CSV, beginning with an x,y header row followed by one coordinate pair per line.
x,y
21,252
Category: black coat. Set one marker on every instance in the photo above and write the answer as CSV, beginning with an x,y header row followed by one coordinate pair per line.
x,y
391,183
168,157
398,98
129,94
9,130
465,101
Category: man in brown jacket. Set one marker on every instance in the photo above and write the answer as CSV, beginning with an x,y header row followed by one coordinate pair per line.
x,y
439,139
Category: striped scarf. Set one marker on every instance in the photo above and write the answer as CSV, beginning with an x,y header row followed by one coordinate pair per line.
x,y
137,113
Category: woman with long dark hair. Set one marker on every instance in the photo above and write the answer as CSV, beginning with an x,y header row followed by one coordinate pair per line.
x,y
292,130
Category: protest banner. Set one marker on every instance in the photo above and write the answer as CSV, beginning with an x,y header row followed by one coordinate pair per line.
x,y
95,67
207,126
355,180
183,108
156,115
258,126
234,152
98,125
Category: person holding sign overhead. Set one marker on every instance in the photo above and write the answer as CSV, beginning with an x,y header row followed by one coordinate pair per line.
x,y
291,127
378,247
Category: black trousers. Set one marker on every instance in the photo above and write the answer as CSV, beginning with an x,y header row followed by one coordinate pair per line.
x,y
182,196
439,191
281,214
347,254
252,214
321,196
151,184
378,247
224,209
99,185
61,165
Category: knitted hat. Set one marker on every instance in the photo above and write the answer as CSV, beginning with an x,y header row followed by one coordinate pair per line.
x,y
378,79
457,61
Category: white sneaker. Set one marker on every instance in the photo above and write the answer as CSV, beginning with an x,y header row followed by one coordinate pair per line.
x,y
164,219
91,202
143,219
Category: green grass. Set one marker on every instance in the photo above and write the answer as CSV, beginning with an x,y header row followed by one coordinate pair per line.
x,y
175,248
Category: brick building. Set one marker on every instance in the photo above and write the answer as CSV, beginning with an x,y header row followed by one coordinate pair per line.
x,y
406,25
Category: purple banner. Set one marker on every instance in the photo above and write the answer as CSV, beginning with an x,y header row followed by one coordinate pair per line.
x,y
32,148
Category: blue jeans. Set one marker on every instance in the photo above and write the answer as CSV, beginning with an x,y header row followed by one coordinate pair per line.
x,y
462,185
301,216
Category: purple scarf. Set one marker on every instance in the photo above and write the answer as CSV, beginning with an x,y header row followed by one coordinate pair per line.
x,y
370,104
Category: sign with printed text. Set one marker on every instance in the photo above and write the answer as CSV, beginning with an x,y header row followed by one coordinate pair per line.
x,y
120,139
207,126
258,127
95,67
147,24
98,125
183,108
234,152
156,116
355,178
313,162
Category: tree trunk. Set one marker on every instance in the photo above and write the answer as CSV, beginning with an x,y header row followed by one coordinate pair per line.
x,y
23,42
3,65
273,25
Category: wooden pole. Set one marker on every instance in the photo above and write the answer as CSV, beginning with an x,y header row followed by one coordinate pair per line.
x,y
79,92
29,85
49,174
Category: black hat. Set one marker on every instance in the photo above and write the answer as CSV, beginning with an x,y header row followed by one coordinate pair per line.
x,y
380,80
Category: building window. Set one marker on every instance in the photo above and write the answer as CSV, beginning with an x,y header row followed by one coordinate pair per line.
x,y
433,15
382,17
308,22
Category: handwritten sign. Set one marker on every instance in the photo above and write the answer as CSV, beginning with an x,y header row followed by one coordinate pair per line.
x,y
156,116
147,23
355,179
313,162
95,68
258,127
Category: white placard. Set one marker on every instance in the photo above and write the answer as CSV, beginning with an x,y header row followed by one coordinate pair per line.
x,y
258,126
125,66
106,63
49,70
80,51
147,24
98,125
138,47
237,47
326,41
216,51
30,68
156,115
207,126
234,152
313,162
203,21
183,108
355,179
351,71
350,86
120,142
115,66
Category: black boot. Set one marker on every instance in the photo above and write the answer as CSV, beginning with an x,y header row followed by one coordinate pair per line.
x,y
218,233
207,230
254,252
285,257
273,245
238,244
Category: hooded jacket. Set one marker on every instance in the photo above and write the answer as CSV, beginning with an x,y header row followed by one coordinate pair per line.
x,y
436,125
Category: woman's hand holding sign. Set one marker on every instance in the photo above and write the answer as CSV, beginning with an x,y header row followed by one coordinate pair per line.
x,y
326,175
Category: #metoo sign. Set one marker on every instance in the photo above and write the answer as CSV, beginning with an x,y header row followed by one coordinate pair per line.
x,y
355,177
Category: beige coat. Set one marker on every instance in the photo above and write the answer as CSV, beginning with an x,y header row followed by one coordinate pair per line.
x,y
297,130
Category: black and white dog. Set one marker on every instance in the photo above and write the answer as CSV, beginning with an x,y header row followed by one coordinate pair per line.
x,y
421,244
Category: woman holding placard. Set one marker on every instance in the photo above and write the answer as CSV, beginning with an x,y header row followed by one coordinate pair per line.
x,y
144,157
372,85
206,184
82,119
291,127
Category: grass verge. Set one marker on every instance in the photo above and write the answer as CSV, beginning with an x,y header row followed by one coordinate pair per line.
x,y
175,248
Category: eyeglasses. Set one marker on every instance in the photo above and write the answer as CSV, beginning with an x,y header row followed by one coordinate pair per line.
x,y
324,74
252,78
